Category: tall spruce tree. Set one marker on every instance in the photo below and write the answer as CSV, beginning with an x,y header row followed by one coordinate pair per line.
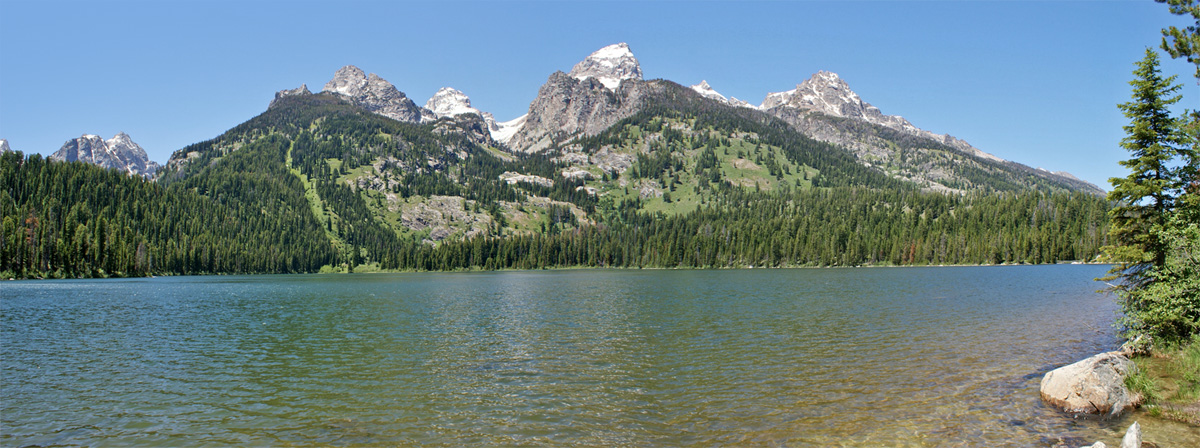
x,y
1153,233
1147,195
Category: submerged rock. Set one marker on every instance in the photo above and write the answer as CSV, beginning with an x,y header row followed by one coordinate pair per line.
x,y
1095,385
1132,439
1133,436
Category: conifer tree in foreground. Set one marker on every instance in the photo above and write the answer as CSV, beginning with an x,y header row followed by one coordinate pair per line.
x,y
1154,238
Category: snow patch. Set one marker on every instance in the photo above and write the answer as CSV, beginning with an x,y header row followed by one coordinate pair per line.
x,y
504,131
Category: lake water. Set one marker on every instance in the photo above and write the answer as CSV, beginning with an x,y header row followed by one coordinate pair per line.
x,y
797,357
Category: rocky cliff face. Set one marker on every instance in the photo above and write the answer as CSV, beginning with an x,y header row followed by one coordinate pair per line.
x,y
604,88
376,95
567,107
119,153
4,146
302,90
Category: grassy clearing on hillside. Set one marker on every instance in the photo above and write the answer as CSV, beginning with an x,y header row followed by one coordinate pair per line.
x,y
740,159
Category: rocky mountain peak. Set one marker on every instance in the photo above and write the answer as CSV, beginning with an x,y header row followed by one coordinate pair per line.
x,y
824,92
449,101
122,142
302,90
348,80
609,65
4,146
827,93
119,152
375,94
707,91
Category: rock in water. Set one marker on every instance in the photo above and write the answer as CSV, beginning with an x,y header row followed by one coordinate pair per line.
x,y
1092,386
1133,436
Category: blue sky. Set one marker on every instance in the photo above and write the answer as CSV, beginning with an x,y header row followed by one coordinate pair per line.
x,y
1036,82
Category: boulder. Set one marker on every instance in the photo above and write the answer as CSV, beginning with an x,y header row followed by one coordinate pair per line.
x,y
1138,346
1095,385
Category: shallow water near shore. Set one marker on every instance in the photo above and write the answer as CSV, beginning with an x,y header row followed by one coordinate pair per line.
x,y
792,357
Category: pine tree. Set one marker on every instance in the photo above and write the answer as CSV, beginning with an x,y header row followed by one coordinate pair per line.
x,y
1147,195
1183,43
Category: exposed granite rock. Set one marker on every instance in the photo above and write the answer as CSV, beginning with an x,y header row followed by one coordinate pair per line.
x,y
302,90
1139,345
602,89
119,153
1094,385
825,94
472,126
444,216
513,178
4,146
567,107
376,95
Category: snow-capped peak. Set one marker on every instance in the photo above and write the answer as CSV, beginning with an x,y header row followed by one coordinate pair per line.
x,y
609,65
612,52
825,92
449,102
707,91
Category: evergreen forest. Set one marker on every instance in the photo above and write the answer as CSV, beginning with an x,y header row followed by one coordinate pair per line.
x,y
315,184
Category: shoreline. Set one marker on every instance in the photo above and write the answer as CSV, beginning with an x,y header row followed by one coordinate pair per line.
x,y
370,271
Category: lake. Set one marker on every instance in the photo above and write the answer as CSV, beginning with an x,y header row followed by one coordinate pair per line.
x,y
939,356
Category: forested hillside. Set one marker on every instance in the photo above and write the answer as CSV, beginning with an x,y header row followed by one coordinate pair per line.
x,y
72,219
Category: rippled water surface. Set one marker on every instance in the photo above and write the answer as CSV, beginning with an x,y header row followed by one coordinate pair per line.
x,y
806,357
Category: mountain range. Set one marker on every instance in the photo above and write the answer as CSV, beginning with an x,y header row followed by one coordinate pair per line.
x,y
605,168
607,86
